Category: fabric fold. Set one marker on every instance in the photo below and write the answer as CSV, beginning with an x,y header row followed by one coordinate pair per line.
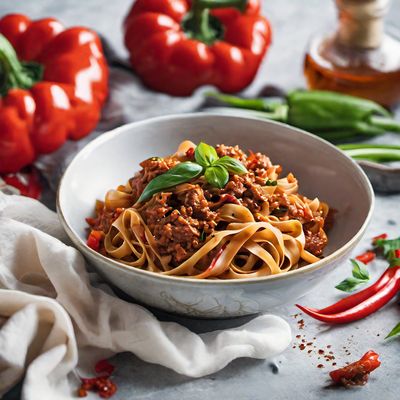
x,y
50,308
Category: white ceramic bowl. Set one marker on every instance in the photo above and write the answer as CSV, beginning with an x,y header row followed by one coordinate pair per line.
x,y
322,170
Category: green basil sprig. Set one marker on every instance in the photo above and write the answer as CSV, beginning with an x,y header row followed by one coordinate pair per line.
x,y
216,171
217,176
181,173
360,275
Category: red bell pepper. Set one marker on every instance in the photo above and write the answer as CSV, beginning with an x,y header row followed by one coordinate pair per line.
x,y
53,84
178,45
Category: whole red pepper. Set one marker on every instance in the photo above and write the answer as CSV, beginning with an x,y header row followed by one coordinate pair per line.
x,y
53,84
178,45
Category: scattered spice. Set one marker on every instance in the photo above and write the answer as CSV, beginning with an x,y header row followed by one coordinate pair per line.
x,y
320,366
102,384
320,351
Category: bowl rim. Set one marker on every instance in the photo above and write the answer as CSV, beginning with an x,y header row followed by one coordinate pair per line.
x,y
81,245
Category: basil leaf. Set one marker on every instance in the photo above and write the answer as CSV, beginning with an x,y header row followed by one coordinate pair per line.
x,y
360,276
388,246
181,173
350,284
394,262
217,176
359,270
394,332
232,165
205,154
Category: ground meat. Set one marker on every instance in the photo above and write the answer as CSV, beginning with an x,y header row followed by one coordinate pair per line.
x,y
151,168
231,151
178,221
315,242
181,219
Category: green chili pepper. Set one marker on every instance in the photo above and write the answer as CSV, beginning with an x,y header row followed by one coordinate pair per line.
x,y
372,152
333,116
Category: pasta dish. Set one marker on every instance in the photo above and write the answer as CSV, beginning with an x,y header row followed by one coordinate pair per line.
x,y
210,212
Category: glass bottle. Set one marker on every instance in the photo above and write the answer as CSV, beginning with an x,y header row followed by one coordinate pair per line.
x,y
359,58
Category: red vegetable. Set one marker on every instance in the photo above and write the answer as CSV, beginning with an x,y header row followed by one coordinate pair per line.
x,y
366,257
360,305
27,183
376,238
358,372
103,385
356,298
53,86
176,46
94,239
104,366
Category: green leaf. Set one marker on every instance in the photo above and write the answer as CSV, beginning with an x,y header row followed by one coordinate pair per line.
x,y
394,332
394,262
360,270
217,176
181,173
350,284
232,165
205,154
388,247
360,275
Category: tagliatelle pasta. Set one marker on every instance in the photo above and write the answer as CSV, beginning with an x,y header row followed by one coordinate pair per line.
x,y
254,225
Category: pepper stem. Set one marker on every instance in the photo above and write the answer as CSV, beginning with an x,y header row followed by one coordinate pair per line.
x,y
14,73
199,24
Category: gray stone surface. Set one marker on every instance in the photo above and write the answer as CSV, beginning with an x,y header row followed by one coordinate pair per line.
x,y
294,374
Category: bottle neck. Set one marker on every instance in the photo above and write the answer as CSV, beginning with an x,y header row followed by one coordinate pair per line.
x,y
361,22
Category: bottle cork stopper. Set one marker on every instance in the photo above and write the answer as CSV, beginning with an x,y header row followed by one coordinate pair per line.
x,y
361,22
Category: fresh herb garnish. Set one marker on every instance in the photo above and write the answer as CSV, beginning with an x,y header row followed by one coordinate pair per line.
x,y
389,247
215,170
394,332
269,182
360,275
181,173
205,155
232,165
203,236
217,175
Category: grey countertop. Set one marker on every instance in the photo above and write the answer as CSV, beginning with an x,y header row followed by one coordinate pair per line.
x,y
294,373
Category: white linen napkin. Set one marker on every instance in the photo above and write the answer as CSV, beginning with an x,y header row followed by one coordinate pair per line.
x,y
50,313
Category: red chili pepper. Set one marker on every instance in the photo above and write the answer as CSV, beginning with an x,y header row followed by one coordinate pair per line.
x,y
360,306
356,373
376,238
104,366
54,84
176,46
28,183
357,298
366,257
94,239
